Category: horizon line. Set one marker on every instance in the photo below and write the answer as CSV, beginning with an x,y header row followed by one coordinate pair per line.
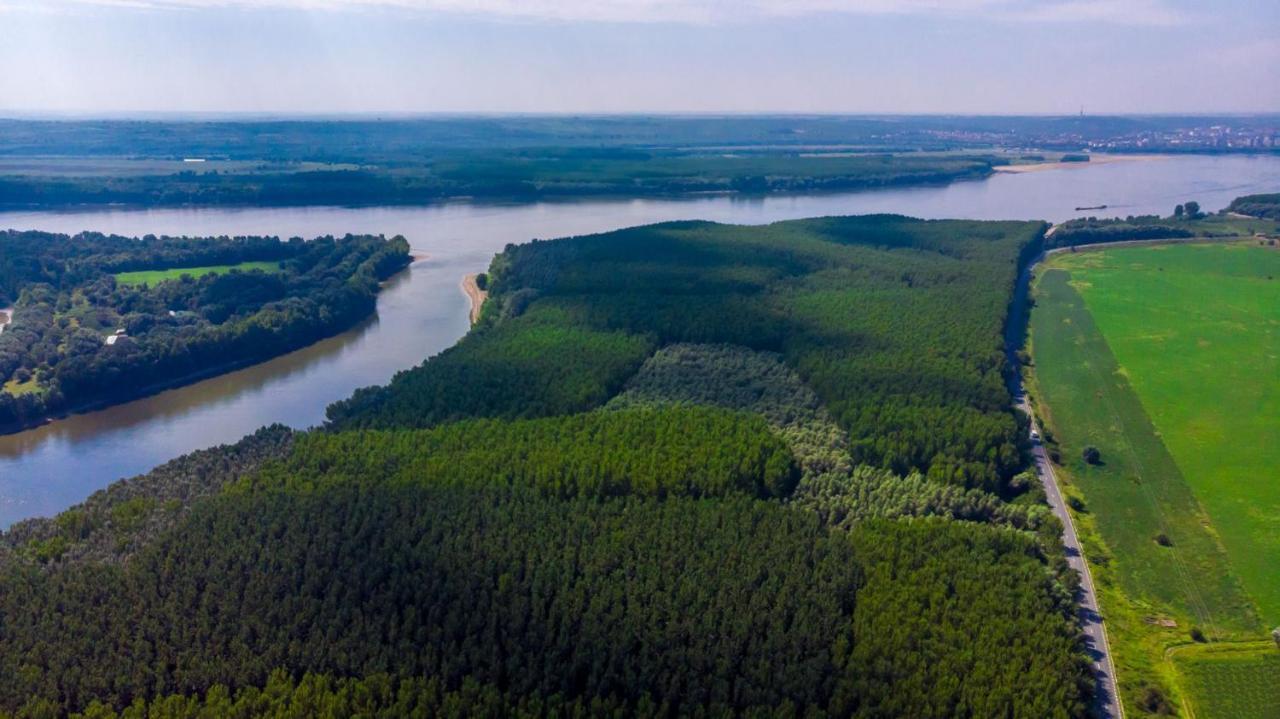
x,y
124,115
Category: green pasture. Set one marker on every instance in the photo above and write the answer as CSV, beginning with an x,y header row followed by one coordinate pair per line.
x,y
1165,359
1196,329
1138,492
151,277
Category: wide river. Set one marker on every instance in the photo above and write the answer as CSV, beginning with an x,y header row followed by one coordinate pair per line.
x,y
423,310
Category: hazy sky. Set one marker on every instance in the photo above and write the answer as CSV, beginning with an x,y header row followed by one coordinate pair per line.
x,y
342,56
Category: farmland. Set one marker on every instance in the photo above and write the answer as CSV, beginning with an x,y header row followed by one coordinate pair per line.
x,y
151,277
1238,683
1164,359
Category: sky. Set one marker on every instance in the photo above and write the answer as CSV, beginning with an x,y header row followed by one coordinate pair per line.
x,y
112,57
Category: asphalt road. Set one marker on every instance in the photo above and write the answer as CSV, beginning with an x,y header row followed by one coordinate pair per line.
x,y
1106,701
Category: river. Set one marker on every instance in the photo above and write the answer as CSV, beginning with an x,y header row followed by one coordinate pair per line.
x,y
423,310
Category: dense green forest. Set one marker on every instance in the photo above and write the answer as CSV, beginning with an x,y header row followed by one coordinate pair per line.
x,y
680,470
895,323
1092,230
1267,206
1186,221
78,336
693,605
681,451
533,174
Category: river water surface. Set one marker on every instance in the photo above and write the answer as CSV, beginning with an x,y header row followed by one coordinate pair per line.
x,y
423,310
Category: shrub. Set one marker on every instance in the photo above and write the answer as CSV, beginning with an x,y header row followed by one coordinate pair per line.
x,y
1091,455
1077,504
1153,701
1198,636
1163,540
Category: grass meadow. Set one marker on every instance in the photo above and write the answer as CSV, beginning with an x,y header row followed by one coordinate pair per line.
x,y
1197,331
151,277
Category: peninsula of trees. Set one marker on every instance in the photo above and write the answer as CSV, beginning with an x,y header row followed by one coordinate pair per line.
x,y
680,470
100,319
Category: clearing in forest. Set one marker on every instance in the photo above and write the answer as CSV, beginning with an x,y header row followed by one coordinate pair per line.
x,y
151,277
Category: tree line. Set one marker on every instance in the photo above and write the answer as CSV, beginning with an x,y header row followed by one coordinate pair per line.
x,y
523,176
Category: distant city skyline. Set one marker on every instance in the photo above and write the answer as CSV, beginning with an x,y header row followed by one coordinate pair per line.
x,y
366,57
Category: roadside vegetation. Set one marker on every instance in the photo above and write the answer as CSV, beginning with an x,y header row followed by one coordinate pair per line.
x,y
103,319
1156,358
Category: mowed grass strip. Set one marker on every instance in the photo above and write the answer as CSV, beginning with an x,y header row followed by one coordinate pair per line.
x,y
1197,330
1138,492
1229,681
151,277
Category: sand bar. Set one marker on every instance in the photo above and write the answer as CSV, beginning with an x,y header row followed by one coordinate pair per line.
x,y
475,294
1098,159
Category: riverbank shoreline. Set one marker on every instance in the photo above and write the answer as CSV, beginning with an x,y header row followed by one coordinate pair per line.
x,y
477,296
142,393
6,316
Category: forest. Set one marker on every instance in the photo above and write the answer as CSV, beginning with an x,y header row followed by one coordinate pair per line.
x,y
1186,221
79,336
526,175
679,470
1267,206
894,323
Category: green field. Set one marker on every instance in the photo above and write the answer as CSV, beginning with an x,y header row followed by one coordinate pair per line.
x,y
1231,683
1197,330
1165,359
151,277
1139,491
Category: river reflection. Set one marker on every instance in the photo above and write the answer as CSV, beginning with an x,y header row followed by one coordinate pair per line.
x,y
423,310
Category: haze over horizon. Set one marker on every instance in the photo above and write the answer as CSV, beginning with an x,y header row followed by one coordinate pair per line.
x,y
111,57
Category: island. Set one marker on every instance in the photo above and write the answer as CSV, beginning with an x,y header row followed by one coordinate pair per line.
x,y
99,319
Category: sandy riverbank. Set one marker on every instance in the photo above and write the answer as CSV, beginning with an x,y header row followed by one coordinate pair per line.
x,y
1093,160
6,316
475,294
